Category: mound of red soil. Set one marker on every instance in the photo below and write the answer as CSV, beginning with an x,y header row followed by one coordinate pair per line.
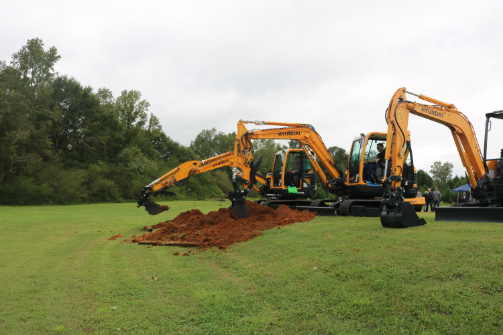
x,y
219,229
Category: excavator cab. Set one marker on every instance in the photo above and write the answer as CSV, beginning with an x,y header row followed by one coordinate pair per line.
x,y
364,175
292,176
361,166
363,187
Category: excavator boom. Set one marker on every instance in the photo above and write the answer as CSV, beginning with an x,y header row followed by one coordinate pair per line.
x,y
464,138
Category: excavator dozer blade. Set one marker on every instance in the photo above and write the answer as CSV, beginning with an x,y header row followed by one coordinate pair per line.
x,y
403,215
469,214
153,209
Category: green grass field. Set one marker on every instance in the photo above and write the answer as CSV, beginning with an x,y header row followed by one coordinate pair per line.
x,y
59,274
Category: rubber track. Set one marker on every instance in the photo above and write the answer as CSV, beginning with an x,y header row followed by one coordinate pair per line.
x,y
346,204
317,202
344,207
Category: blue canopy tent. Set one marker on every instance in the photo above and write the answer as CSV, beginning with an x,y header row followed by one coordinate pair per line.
x,y
462,188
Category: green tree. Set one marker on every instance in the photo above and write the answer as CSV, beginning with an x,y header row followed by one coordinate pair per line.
x,y
82,129
36,68
441,173
210,142
340,157
448,196
25,96
424,181
293,144
131,110
136,162
267,149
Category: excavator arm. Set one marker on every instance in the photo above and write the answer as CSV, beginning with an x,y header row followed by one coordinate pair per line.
x,y
180,175
447,114
397,117
244,167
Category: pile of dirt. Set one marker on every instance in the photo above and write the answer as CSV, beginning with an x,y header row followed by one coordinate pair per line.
x,y
219,229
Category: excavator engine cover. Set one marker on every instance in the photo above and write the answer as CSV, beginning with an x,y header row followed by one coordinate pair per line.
x,y
403,215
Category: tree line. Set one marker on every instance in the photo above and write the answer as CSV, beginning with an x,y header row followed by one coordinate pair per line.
x,y
65,143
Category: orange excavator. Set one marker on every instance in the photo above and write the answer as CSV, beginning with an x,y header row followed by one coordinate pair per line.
x,y
180,175
484,175
244,169
356,193
356,196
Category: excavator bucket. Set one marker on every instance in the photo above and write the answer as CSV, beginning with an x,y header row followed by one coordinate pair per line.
x,y
395,212
239,210
153,208
402,215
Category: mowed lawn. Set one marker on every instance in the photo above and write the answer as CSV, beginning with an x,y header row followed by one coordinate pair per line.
x,y
59,274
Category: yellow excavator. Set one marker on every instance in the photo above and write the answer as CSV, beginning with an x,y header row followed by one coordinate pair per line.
x,y
484,175
180,175
356,193
356,196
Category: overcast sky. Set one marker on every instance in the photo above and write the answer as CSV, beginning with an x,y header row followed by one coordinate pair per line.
x,y
332,64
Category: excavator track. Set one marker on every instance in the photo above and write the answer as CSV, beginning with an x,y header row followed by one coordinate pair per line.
x,y
344,208
359,207
319,206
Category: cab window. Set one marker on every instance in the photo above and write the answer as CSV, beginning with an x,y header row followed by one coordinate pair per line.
x,y
277,170
354,160
408,154
291,160
306,165
371,149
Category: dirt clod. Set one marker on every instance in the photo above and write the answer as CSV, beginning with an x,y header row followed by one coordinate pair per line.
x,y
218,229
115,237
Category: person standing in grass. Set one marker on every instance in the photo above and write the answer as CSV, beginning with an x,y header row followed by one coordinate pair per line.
x,y
463,199
428,199
436,199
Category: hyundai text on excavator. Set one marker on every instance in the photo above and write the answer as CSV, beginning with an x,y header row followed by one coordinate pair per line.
x,y
356,196
485,175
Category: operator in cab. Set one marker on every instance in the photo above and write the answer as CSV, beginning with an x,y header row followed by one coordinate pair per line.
x,y
368,169
290,174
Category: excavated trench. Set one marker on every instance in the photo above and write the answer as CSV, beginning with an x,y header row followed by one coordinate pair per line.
x,y
218,229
